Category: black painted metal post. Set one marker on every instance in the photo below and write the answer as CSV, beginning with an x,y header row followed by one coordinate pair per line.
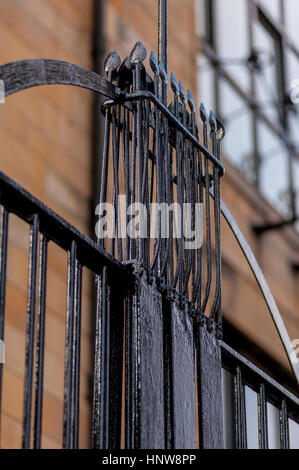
x,y
3,267
209,388
183,378
145,422
30,331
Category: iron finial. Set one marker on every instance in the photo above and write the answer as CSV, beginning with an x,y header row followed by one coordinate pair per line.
x,y
112,62
163,73
212,121
203,113
154,63
220,129
138,53
191,102
174,84
182,93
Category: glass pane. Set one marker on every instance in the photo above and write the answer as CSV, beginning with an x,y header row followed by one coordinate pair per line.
x,y
274,181
232,38
251,404
238,142
273,427
228,408
200,24
292,19
206,82
294,434
272,7
266,82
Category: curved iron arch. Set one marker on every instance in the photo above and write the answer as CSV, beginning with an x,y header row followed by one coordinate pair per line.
x,y
263,285
23,74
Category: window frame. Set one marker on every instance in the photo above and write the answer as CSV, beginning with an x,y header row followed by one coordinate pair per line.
x,y
279,127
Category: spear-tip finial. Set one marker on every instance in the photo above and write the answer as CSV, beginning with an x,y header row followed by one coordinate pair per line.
x,y
163,73
138,53
182,93
203,113
212,121
112,62
191,102
154,63
174,84
220,133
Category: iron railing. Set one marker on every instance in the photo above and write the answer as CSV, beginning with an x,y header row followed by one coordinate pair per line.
x,y
158,308
47,226
268,392
157,154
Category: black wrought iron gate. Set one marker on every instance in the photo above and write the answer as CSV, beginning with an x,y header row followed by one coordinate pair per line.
x,y
158,339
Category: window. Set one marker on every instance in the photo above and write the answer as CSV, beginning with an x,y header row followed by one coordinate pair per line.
x,y
247,74
238,144
207,82
232,43
273,168
269,83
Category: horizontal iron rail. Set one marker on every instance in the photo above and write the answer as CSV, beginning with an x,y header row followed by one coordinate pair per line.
x,y
138,95
254,376
20,202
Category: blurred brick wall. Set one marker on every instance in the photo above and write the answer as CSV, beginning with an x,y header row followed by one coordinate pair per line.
x,y
46,146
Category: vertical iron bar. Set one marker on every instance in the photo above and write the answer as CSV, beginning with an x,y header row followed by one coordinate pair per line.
x,y
115,150
126,156
33,253
76,357
39,375
167,199
3,265
208,219
216,307
104,168
69,365
262,408
132,242
163,39
140,155
158,188
183,188
172,218
133,373
100,414
128,373
284,426
145,182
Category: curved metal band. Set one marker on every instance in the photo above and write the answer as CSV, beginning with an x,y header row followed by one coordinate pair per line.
x,y
23,74
271,304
